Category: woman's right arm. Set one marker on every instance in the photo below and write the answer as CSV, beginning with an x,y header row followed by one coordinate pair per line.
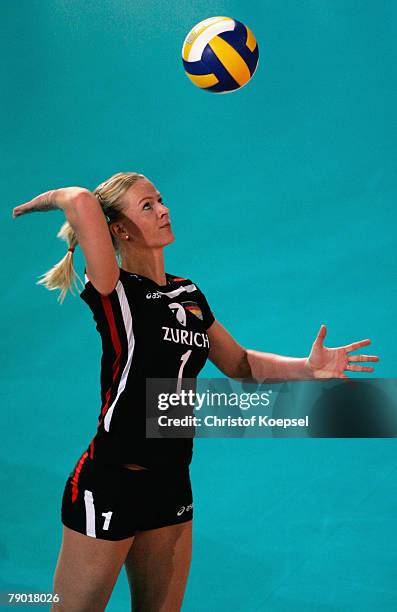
x,y
87,219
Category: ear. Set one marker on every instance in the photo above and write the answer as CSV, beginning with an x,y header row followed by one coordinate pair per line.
x,y
117,228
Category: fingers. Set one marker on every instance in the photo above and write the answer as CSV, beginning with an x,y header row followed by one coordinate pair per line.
x,y
22,209
321,335
41,203
354,368
355,345
354,358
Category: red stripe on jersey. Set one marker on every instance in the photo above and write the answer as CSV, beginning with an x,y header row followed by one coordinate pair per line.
x,y
178,278
76,475
92,448
107,306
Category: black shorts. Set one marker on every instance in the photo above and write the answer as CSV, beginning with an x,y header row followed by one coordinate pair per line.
x,y
112,502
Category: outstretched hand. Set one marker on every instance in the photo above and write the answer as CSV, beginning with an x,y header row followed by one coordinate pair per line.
x,y
326,362
49,200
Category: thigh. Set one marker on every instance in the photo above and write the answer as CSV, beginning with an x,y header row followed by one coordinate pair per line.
x,y
87,570
97,535
157,567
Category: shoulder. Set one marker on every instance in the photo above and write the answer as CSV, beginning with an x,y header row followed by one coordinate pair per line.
x,y
89,290
177,278
189,284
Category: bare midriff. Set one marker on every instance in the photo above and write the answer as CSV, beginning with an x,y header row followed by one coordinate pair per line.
x,y
134,466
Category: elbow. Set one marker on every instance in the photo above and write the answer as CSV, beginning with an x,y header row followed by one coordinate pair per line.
x,y
83,197
255,366
243,369
78,204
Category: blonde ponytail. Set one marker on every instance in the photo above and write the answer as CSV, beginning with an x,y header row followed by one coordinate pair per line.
x,y
63,275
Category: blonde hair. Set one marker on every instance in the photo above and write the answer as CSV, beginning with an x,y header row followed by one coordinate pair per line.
x,y
109,193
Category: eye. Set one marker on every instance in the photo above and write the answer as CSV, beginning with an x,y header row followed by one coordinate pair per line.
x,y
149,204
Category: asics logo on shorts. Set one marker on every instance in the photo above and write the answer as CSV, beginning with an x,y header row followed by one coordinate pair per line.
x,y
183,509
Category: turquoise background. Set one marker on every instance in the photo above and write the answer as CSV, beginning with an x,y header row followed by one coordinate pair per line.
x,y
282,198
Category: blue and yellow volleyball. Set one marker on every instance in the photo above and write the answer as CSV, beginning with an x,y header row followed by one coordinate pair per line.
x,y
220,54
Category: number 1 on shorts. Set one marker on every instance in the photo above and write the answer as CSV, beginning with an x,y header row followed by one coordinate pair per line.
x,y
108,516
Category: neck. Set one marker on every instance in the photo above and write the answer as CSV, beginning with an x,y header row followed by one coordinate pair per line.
x,y
149,263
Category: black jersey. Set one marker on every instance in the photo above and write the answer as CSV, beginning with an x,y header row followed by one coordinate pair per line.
x,y
147,331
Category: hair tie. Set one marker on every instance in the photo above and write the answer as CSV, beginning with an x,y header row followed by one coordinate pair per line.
x,y
71,249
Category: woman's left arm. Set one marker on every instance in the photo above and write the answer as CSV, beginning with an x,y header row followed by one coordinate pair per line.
x,y
240,363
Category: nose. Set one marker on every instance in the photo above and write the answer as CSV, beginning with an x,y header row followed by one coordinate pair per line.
x,y
164,210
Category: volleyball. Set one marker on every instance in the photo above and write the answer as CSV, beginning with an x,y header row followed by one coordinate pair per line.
x,y
220,54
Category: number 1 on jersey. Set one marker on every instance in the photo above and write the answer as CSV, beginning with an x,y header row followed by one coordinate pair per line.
x,y
184,359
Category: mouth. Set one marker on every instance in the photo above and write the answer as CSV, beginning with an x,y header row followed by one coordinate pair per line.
x,y
166,225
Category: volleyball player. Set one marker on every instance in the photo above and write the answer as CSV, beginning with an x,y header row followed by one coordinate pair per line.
x,y
128,500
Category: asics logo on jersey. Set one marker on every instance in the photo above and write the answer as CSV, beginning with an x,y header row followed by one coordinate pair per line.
x,y
154,295
183,509
183,336
179,312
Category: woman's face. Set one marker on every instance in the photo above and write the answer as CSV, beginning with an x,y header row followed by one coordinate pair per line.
x,y
145,218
